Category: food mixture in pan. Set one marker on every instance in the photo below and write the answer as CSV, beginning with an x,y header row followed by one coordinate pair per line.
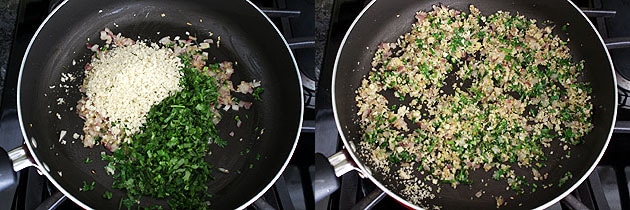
x,y
155,106
471,92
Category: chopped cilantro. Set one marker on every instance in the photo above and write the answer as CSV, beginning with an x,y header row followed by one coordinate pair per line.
x,y
88,186
166,160
107,195
568,175
257,92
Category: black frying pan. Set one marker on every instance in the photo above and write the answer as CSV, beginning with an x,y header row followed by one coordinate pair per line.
x,y
247,37
379,22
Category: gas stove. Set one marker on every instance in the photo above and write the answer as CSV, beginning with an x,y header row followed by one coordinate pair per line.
x,y
314,30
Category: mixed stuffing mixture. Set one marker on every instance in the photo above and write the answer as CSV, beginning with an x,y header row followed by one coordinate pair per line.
x,y
470,92
156,106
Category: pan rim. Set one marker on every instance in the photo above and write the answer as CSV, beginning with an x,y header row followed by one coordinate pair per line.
x,y
362,168
299,128
610,132
365,171
45,172
38,163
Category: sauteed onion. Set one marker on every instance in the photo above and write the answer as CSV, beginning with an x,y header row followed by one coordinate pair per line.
x,y
464,92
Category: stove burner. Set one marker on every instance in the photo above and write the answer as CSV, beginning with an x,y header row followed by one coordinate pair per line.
x,y
613,26
623,91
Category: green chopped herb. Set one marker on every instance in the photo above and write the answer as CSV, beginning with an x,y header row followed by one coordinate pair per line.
x,y
257,92
498,174
166,160
128,202
393,158
568,175
107,195
88,186
87,160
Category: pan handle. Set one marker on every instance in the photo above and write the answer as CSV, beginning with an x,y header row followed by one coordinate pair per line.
x,y
21,158
327,173
342,163
12,162
8,177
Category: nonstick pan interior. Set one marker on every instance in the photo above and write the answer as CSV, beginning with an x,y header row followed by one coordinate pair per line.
x,y
247,38
384,21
